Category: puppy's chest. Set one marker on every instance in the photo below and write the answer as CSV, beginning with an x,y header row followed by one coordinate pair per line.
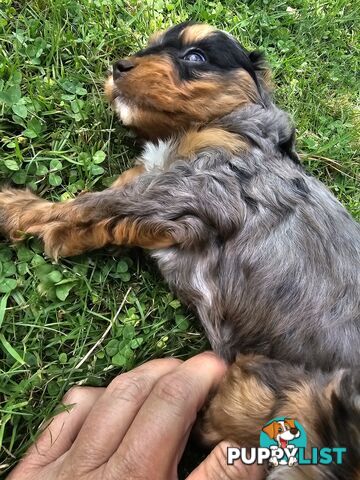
x,y
158,156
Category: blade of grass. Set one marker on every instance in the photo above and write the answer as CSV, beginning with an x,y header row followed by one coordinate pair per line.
x,y
103,336
3,304
11,351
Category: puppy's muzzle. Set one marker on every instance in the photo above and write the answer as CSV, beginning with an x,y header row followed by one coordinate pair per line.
x,y
121,67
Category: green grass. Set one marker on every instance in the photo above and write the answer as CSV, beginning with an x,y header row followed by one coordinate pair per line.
x,y
58,136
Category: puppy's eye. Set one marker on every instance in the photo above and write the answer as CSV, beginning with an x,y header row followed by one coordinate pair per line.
x,y
194,56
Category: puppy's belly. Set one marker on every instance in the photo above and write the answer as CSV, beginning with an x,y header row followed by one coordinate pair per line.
x,y
243,316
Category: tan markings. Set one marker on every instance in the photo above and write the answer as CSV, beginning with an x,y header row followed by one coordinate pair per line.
x,y
304,404
299,405
334,385
66,228
21,209
197,32
166,105
239,410
142,234
70,228
267,78
109,87
128,176
243,405
155,38
194,141
64,239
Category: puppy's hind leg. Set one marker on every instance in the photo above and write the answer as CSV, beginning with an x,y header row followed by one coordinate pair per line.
x,y
241,406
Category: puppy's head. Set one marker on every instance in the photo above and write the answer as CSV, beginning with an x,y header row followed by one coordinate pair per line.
x,y
188,75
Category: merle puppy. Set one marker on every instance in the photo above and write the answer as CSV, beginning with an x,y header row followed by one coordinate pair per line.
x,y
263,252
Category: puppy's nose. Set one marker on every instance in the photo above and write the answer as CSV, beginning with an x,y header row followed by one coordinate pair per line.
x,y
122,66
294,430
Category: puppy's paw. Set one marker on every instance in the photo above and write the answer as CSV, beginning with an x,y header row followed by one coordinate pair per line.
x,y
21,213
14,205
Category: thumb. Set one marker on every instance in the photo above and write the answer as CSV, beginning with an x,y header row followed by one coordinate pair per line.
x,y
215,467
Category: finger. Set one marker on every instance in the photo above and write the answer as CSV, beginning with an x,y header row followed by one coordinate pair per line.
x,y
157,436
215,467
109,420
61,431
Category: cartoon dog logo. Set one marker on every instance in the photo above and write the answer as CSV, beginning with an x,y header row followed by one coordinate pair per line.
x,y
282,432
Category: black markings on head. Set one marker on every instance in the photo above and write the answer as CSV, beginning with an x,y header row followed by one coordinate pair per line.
x,y
223,53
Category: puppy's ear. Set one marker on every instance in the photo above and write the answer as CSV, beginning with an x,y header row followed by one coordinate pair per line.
x,y
270,430
263,74
290,422
262,70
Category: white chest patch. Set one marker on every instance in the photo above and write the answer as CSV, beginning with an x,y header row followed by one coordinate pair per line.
x,y
156,155
124,111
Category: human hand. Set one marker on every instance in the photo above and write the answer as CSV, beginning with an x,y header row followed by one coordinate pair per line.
x,y
136,428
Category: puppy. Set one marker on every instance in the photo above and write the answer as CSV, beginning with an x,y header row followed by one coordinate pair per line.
x,y
261,250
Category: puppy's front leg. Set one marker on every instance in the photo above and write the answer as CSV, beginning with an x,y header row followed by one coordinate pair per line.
x,y
60,225
144,213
